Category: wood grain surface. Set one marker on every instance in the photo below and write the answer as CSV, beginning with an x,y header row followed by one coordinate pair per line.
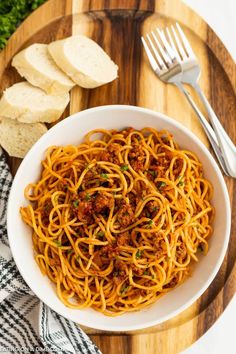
x,y
117,26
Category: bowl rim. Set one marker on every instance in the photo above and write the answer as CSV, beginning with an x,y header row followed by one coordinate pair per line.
x,y
198,142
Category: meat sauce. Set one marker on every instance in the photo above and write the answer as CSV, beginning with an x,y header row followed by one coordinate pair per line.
x,y
88,206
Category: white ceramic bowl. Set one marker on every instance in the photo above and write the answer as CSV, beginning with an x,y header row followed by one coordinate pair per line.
x,y
71,131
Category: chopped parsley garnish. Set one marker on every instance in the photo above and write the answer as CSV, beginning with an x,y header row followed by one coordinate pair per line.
x,y
78,258
148,214
200,248
47,207
70,251
150,222
124,289
12,13
58,243
116,273
76,203
145,273
65,186
124,167
161,184
87,197
155,209
139,254
181,183
152,173
100,234
104,175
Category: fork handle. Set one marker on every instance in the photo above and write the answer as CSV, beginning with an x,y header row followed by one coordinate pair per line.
x,y
207,128
227,147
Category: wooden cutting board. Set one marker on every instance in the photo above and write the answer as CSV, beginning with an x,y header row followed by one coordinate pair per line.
x,y
117,26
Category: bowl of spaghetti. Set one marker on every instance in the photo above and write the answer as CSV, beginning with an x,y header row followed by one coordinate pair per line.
x,y
118,218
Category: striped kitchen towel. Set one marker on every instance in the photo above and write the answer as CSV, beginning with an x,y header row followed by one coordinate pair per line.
x,y
26,324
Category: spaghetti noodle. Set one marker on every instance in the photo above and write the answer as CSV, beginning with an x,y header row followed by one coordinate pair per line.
x,y
118,219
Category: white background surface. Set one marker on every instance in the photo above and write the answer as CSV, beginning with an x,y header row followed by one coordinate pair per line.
x,y
221,16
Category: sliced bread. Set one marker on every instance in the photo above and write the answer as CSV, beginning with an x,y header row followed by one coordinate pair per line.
x,y
84,61
30,104
36,65
17,138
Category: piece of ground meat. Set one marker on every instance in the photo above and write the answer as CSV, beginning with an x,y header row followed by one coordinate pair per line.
x,y
110,251
181,251
177,168
162,163
55,261
137,271
172,283
137,158
143,292
152,206
125,215
113,131
123,239
84,212
119,265
134,199
47,207
97,259
103,156
111,154
160,248
90,174
102,202
169,154
81,195
114,149
118,278
127,131
119,272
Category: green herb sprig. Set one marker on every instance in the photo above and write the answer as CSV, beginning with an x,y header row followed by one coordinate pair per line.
x,y
58,243
124,167
139,254
161,185
124,289
87,197
12,12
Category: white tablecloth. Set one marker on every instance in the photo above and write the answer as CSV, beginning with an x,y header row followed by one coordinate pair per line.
x,y
221,16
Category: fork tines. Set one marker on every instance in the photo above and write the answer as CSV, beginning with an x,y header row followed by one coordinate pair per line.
x,y
164,46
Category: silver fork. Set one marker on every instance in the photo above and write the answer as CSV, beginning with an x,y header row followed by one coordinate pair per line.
x,y
191,73
165,63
